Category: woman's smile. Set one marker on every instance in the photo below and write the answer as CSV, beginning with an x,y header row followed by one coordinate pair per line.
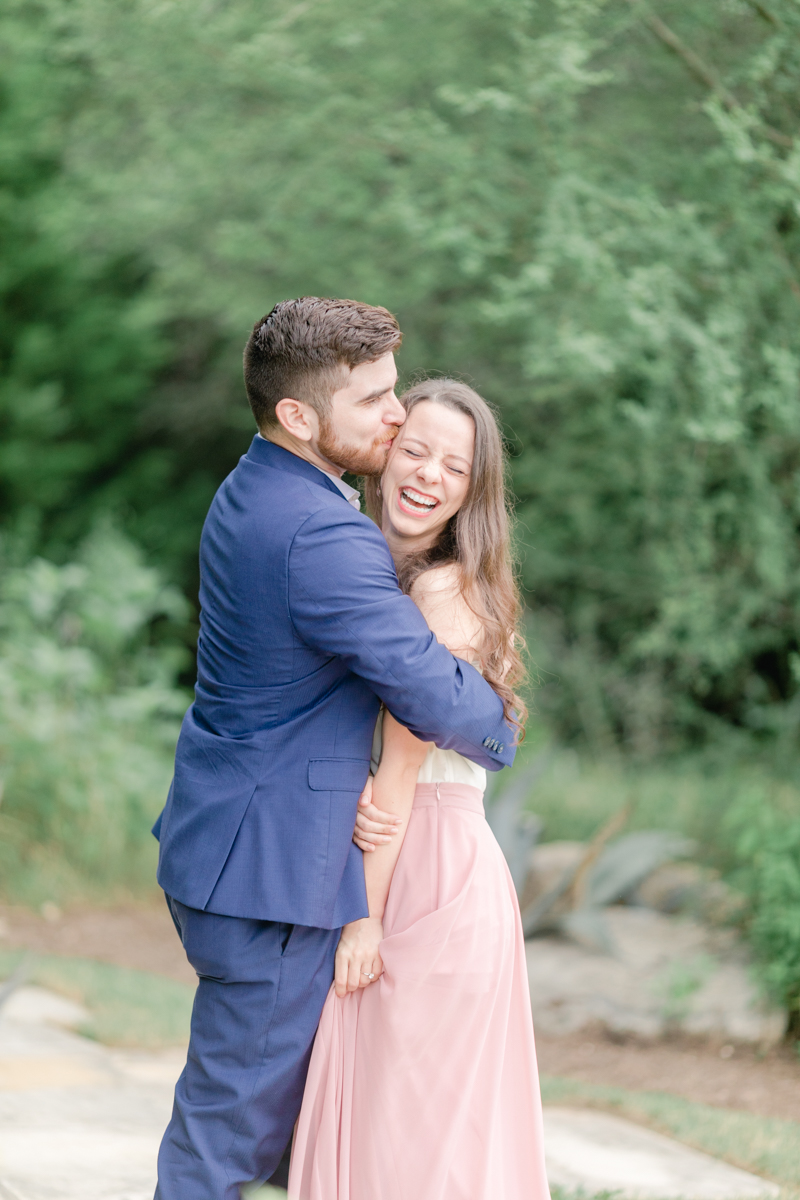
x,y
416,503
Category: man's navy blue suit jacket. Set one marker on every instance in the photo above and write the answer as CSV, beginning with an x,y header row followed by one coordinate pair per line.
x,y
303,631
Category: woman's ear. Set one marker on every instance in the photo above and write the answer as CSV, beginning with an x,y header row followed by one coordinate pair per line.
x,y
297,418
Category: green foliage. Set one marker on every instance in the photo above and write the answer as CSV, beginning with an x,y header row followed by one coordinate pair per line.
x,y
603,236
88,717
768,848
78,345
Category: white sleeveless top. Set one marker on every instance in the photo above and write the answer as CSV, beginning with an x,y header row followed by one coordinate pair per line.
x,y
438,766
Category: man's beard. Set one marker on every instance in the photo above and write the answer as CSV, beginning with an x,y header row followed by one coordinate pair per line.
x,y
358,460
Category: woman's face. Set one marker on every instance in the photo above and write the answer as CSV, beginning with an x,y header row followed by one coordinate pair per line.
x,y
427,476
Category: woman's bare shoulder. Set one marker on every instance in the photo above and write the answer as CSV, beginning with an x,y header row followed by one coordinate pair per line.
x,y
438,593
437,583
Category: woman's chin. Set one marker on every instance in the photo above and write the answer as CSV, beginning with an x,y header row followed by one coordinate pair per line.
x,y
412,529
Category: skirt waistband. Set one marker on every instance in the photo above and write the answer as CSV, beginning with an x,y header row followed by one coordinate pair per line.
x,y
450,795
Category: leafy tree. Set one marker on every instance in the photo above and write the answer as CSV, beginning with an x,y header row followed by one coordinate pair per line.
x,y
77,348
590,208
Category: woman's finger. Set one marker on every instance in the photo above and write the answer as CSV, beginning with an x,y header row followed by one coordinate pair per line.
x,y
362,845
354,975
380,827
378,817
367,835
375,969
340,974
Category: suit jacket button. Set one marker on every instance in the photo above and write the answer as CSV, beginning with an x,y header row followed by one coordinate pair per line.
x,y
500,748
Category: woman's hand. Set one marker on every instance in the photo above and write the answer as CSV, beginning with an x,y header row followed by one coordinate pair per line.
x,y
358,960
373,827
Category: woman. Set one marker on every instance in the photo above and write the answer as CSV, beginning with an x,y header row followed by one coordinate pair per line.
x,y
423,1083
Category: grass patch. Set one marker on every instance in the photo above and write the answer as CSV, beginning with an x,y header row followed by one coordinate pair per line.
x,y
765,1145
128,1008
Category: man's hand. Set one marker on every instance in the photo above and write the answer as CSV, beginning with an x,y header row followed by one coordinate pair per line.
x,y
358,960
373,827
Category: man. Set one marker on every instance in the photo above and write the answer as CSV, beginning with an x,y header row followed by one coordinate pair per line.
x,y
303,632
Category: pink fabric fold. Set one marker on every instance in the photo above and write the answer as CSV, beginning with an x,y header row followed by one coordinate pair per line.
x,y
424,1086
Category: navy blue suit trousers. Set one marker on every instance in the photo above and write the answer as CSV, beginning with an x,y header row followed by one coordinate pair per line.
x,y
262,986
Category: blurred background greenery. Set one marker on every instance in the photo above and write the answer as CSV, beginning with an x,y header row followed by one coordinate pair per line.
x,y
589,209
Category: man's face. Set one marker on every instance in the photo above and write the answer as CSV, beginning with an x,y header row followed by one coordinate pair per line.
x,y
364,419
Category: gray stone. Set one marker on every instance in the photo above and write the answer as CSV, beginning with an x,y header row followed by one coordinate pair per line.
x,y
666,973
75,1122
38,1006
688,887
596,1152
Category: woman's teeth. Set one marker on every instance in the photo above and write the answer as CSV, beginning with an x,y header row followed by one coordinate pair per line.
x,y
417,501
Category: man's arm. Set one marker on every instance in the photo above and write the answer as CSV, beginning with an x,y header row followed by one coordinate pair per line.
x,y
344,600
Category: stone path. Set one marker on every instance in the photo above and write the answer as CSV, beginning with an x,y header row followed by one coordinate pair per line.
x,y
81,1122
598,1152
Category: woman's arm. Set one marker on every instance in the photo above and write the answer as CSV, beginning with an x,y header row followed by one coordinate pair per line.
x,y
437,594
358,953
402,755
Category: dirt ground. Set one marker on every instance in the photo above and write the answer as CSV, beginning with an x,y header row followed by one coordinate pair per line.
x,y
727,1076
133,936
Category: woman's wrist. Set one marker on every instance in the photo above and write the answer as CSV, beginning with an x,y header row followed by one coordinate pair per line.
x,y
360,925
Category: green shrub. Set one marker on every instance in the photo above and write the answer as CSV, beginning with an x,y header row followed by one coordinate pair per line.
x,y
768,847
88,717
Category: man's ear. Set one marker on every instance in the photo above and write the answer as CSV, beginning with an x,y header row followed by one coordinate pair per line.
x,y
296,418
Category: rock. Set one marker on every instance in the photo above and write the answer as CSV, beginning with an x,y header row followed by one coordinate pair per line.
x,y
547,865
667,973
38,1006
688,887
596,1152
74,1125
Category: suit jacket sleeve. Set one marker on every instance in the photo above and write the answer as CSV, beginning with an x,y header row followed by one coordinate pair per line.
x,y
344,600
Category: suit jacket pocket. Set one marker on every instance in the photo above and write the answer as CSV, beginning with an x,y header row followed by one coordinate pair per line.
x,y
337,774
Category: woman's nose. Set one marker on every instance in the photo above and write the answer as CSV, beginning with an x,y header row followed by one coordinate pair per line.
x,y
429,471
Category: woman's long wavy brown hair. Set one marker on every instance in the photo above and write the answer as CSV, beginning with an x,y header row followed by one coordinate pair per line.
x,y
478,539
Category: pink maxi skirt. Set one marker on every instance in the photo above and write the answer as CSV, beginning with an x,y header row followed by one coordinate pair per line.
x,y
424,1086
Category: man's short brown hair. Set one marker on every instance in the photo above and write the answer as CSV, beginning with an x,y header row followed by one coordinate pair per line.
x,y
304,350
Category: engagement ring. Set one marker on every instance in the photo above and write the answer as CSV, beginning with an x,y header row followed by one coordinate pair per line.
x,y
368,975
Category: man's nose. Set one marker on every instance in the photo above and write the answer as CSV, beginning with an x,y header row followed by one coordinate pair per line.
x,y
394,414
